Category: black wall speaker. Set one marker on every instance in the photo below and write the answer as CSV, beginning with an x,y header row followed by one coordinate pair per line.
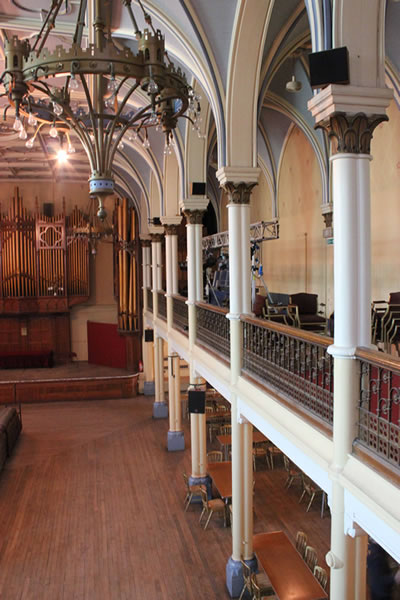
x,y
48,209
148,335
198,188
329,66
197,401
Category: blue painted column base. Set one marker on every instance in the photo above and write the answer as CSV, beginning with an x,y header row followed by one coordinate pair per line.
x,y
160,410
200,481
149,388
175,441
234,575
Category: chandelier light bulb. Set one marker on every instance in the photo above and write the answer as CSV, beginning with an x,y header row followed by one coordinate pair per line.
x,y
152,87
167,149
121,145
29,143
17,124
57,108
153,118
73,83
53,131
112,85
71,148
22,134
32,120
146,142
62,156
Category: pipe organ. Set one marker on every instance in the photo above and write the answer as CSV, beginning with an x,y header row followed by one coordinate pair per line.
x,y
44,266
126,252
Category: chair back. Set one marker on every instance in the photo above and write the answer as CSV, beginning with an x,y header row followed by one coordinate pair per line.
x,y
310,557
186,480
225,430
204,498
321,575
255,587
247,578
214,456
301,542
209,410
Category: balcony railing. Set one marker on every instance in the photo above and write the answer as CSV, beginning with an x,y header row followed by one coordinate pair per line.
x,y
292,361
149,299
162,305
379,406
213,328
180,318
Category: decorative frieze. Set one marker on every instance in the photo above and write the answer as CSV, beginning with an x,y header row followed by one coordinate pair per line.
x,y
351,133
194,217
238,193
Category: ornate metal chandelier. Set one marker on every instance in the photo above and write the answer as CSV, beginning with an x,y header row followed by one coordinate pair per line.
x,y
107,76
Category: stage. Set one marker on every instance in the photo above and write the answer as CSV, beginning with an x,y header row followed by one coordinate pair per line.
x,y
73,381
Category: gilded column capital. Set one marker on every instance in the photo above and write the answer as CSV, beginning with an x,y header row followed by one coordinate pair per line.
x,y
171,229
145,243
157,237
351,133
194,217
239,193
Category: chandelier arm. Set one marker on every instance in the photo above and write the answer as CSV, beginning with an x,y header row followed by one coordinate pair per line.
x,y
42,87
111,130
79,127
91,114
136,117
80,23
55,7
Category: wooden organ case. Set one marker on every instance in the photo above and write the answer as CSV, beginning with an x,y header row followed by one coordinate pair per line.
x,y
44,270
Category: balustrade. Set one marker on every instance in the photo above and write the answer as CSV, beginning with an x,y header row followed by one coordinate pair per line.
x,y
379,405
162,305
213,328
294,362
180,314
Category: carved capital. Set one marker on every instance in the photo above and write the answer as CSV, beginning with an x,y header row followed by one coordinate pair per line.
x,y
351,133
145,243
194,217
157,237
238,193
171,229
328,217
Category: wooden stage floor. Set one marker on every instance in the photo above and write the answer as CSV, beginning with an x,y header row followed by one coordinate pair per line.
x,y
67,371
91,509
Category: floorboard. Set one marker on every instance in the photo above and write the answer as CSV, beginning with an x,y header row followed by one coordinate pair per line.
x,y
91,509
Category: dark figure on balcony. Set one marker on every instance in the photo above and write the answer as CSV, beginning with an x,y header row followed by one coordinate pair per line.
x,y
381,578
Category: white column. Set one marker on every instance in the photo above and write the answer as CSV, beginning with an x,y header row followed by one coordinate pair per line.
x,y
246,259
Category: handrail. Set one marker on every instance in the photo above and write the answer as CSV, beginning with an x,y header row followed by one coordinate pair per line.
x,y
379,359
294,332
212,308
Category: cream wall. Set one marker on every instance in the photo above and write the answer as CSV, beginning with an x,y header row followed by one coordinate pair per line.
x,y
385,206
300,260
101,306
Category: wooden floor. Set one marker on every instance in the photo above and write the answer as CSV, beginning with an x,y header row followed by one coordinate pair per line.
x,y
91,509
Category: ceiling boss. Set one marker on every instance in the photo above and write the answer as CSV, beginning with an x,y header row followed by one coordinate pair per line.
x,y
46,87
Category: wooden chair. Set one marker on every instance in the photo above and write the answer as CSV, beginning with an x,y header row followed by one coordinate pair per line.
x,y
210,507
301,542
260,451
192,491
273,451
310,557
261,580
312,489
260,592
215,456
321,575
293,472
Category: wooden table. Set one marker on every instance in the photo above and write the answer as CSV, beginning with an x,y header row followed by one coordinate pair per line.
x,y
290,577
221,474
226,440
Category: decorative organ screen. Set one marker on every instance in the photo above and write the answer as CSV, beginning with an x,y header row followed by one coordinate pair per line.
x,y
42,257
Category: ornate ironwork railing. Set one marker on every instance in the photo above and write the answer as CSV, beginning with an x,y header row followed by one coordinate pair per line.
x,y
149,299
162,305
180,314
213,328
294,362
379,406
